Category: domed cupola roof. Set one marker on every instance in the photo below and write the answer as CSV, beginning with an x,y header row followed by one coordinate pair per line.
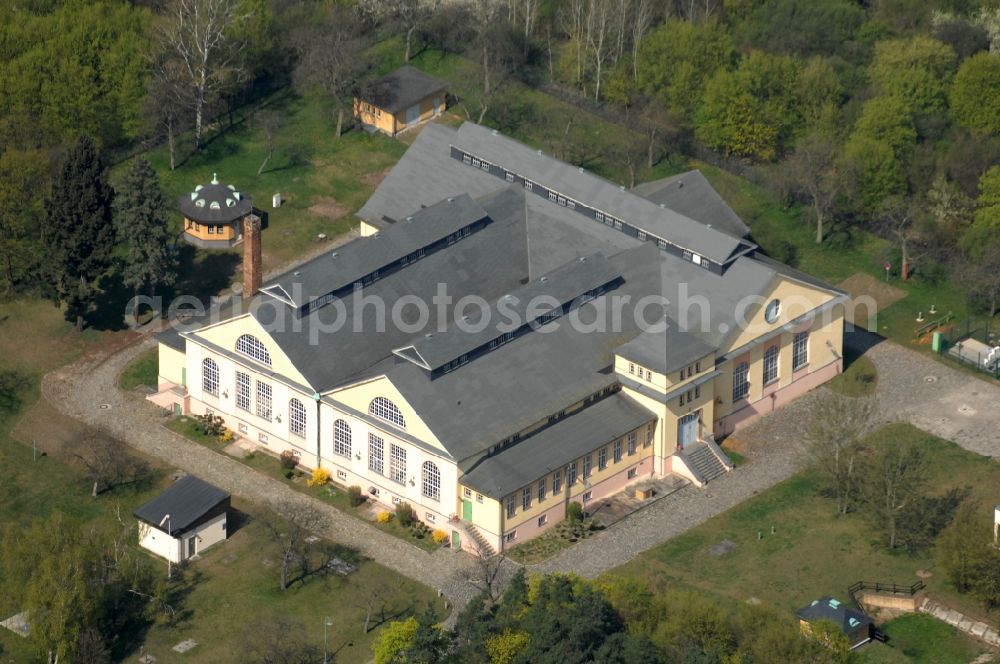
x,y
215,203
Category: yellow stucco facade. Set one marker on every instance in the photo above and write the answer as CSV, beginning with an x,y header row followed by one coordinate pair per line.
x,y
393,123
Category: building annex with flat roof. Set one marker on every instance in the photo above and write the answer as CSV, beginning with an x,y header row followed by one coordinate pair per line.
x,y
655,335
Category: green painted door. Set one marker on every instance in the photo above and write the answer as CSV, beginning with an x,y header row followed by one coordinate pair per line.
x,y
456,541
467,510
184,376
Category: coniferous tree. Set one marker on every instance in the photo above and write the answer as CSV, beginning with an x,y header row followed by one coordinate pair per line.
x,y
141,222
78,232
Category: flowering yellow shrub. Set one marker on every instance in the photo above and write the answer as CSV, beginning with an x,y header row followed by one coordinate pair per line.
x,y
440,536
227,436
319,477
384,517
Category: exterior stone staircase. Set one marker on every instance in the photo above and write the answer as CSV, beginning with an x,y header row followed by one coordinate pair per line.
x,y
484,547
706,461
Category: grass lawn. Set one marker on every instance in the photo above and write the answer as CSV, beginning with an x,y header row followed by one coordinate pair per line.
x,y
141,372
541,548
859,378
237,592
922,639
813,552
322,180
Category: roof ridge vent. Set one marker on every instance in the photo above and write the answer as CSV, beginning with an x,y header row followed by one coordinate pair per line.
x,y
583,259
451,199
581,169
333,255
409,218
494,132
621,187
296,273
539,152
663,206
428,336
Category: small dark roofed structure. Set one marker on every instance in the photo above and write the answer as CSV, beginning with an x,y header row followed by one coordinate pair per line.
x,y
400,100
185,519
853,623
213,214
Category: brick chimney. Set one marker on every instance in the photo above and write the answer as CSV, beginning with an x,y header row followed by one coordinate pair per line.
x,y
251,255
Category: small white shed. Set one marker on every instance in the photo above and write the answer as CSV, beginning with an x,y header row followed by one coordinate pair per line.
x,y
184,520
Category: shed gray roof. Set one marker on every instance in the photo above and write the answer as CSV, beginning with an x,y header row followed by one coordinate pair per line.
x,y
215,203
186,501
556,445
403,88
597,192
692,195
341,268
843,616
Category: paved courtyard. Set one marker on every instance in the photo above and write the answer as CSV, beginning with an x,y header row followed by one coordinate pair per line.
x,y
912,387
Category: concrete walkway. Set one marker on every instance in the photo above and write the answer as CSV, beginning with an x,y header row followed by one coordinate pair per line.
x,y
932,395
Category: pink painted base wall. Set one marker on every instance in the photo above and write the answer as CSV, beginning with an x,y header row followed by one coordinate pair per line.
x,y
775,399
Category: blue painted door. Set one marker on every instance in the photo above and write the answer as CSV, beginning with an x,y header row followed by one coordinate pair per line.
x,y
412,114
687,429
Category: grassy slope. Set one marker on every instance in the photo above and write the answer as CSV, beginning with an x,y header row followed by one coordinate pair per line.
x,y
921,639
813,551
142,371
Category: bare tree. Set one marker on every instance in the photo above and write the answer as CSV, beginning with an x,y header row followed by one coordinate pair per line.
x,y
106,461
269,123
598,30
812,172
642,20
893,478
373,599
981,276
292,528
572,19
202,35
833,442
167,97
911,227
332,61
486,575
277,640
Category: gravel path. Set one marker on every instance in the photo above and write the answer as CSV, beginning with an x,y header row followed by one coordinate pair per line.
x,y
912,387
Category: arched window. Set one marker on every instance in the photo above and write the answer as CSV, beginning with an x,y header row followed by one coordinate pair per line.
x,y
251,346
342,438
297,418
431,481
210,376
386,410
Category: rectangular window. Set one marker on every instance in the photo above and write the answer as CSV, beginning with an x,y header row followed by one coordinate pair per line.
x,y
662,244
771,365
263,400
632,472
510,537
510,177
243,391
542,519
396,500
586,466
556,482
631,368
479,497
690,371
618,224
211,230
741,386
511,506
525,497
697,391
800,350
696,259
476,162
697,367
587,495
599,216
602,459
571,204
262,437
467,492
641,235
562,201
541,490
342,475
649,435
617,453
633,440
242,427
571,474
397,463
430,517
529,185
376,452
466,158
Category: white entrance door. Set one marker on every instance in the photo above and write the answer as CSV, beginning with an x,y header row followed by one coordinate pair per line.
x,y
687,429
192,546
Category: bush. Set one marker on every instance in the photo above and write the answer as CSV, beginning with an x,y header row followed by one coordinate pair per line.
x,y
574,511
384,517
405,514
320,476
355,496
289,460
210,425
440,536
227,436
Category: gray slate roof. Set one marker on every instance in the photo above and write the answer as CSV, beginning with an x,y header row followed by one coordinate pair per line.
x,y
843,616
692,195
232,204
556,445
331,271
186,501
665,351
403,88
595,191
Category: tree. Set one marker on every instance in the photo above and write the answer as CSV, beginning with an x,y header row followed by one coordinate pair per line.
x,y
167,98
106,461
750,111
201,34
833,438
276,639
975,94
911,226
892,479
917,70
505,647
79,233
21,171
979,275
812,171
394,641
269,123
291,528
332,62
965,552
372,598
141,222
429,643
